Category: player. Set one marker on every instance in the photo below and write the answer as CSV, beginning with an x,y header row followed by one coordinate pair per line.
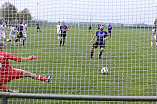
x,y
3,27
8,73
20,34
101,38
109,29
38,27
99,26
25,31
89,27
58,30
154,32
63,30
12,34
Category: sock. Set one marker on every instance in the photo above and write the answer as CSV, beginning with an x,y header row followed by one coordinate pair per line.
x,y
14,42
91,53
100,53
63,42
151,44
41,78
60,42
21,41
4,88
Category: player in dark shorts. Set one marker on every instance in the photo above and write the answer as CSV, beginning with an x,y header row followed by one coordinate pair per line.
x,y
38,27
63,30
101,38
20,34
89,27
99,26
109,29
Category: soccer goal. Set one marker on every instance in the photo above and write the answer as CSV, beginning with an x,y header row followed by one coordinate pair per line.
x,y
84,24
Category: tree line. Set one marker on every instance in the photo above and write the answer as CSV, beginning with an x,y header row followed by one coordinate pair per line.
x,y
10,14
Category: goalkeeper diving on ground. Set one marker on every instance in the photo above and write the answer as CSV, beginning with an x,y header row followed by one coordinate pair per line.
x,y
8,73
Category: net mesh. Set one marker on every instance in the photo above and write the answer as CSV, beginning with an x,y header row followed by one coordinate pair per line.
x,y
128,54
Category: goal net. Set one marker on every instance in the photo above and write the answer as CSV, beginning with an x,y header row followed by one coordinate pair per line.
x,y
127,54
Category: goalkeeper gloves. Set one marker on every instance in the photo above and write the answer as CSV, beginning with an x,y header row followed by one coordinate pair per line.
x,y
31,57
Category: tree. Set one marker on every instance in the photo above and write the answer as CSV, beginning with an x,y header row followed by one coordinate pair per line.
x,y
24,15
8,12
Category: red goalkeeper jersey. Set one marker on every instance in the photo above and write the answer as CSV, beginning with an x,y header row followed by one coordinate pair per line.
x,y
4,63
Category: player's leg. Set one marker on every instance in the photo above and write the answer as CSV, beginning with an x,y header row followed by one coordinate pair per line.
x,y
14,37
109,32
152,41
95,45
10,37
38,77
102,46
3,87
61,39
64,39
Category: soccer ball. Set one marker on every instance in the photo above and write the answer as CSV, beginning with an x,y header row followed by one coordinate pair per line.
x,y
104,70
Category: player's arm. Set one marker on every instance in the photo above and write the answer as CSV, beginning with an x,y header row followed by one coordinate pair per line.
x,y
108,36
20,59
93,38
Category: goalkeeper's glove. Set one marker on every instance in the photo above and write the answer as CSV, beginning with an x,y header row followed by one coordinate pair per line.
x,y
31,57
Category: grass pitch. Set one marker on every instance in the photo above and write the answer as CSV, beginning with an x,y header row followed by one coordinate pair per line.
x,y
128,56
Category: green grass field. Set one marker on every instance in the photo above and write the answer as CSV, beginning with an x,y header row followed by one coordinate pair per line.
x,y
128,56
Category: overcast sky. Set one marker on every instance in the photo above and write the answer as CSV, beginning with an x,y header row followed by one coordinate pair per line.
x,y
108,11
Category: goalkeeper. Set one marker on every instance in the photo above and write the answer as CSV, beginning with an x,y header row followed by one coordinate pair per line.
x,y
8,73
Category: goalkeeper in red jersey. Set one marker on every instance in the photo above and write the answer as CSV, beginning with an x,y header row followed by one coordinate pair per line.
x,y
8,73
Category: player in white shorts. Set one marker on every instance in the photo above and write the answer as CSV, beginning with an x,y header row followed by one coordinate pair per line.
x,y
58,30
154,32
3,27
12,34
25,31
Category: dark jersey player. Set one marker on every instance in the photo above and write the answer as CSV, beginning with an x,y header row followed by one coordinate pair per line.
x,y
89,27
38,27
63,30
99,26
101,38
109,29
20,34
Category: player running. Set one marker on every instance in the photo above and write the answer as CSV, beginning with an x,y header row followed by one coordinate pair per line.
x,y
109,29
89,27
58,30
63,30
154,33
38,27
12,34
25,31
3,27
20,34
101,38
8,73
